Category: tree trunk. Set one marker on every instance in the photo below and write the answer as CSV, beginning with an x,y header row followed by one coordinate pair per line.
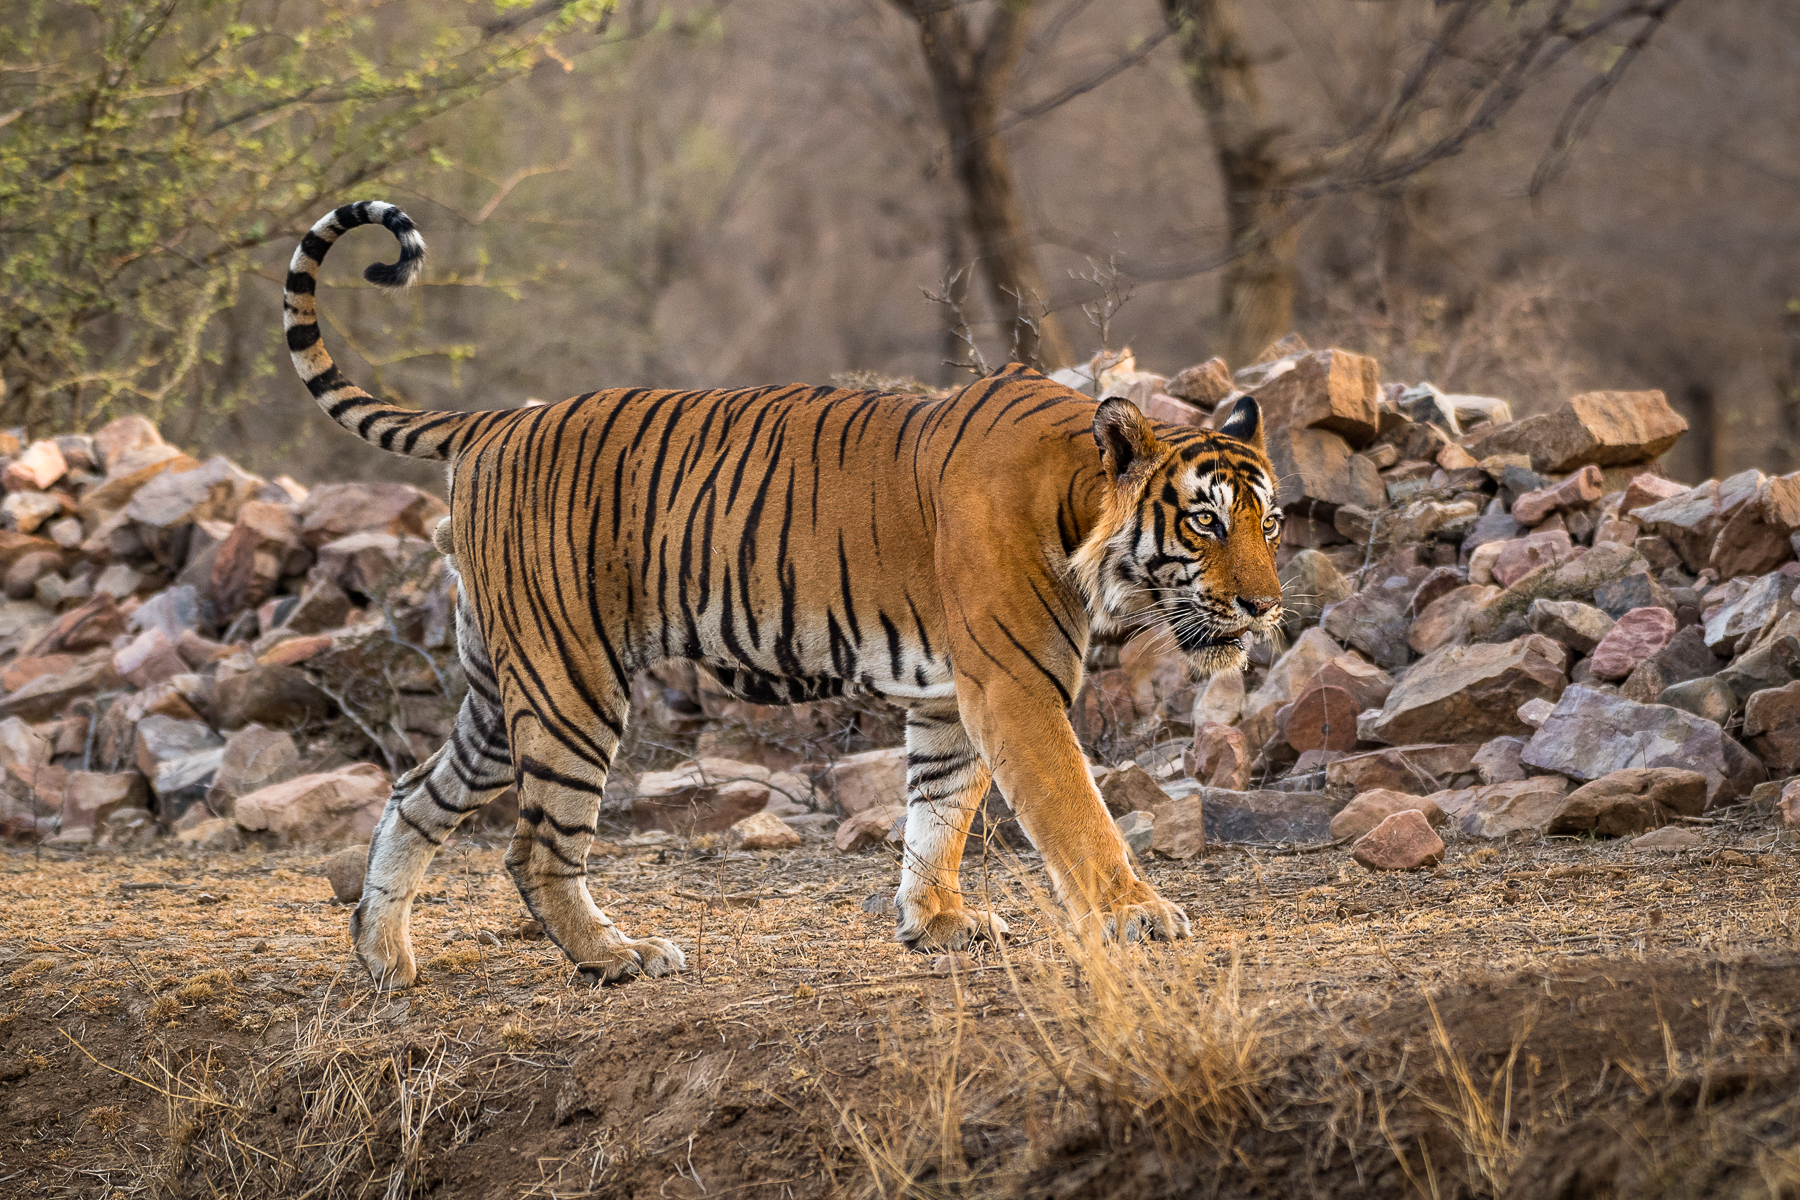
x,y
1256,302
968,79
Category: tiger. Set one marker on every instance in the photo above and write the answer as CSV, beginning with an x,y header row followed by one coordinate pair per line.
x,y
952,555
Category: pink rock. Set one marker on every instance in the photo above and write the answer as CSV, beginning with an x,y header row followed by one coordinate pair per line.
x,y
37,468
1404,841
335,806
1370,809
1581,488
1519,557
870,827
872,779
1220,757
1160,407
1787,809
764,831
149,658
89,797
1638,634
1645,490
297,650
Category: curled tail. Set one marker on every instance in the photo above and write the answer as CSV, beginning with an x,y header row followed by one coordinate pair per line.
x,y
407,431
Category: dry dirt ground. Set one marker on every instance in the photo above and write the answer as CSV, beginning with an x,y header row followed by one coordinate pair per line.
x,y
1544,1018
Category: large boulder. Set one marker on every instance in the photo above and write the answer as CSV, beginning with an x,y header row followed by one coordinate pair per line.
x,y
1375,619
1261,816
263,546
332,807
1690,521
1286,677
1607,429
871,779
1414,770
1130,788
1471,693
707,795
337,510
212,491
1631,801
48,695
277,696
1496,809
1326,389
1591,734
1318,471
1772,727
1744,617
1309,582
1576,625
255,757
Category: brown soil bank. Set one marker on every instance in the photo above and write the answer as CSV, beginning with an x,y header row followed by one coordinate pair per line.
x,y
1532,1019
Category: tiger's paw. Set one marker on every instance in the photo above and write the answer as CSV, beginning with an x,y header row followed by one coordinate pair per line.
x,y
619,959
385,951
952,930
1153,920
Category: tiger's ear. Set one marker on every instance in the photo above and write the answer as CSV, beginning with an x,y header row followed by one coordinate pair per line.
x,y
1123,435
1245,423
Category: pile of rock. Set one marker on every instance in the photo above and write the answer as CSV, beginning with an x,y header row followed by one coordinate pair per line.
x,y
1494,627
176,637
1499,626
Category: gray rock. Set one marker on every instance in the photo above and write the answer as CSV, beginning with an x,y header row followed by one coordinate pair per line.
x,y
1494,525
1638,590
1590,734
1137,828
1576,625
1771,664
1685,657
1267,816
213,491
171,610
1747,615
1309,582
1706,697
1498,761
1374,619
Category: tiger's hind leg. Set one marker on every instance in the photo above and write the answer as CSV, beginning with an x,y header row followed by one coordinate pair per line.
x,y
426,806
946,779
562,770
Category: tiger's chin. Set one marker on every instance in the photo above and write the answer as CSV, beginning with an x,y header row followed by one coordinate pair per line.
x,y
1211,654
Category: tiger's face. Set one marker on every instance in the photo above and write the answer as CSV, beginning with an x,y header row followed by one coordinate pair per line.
x,y
1187,537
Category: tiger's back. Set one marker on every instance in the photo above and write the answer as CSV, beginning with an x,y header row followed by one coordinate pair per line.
x,y
786,537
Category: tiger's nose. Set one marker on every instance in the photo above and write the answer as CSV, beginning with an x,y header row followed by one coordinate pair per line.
x,y
1256,606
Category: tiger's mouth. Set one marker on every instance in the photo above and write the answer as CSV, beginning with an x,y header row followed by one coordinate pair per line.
x,y
1197,641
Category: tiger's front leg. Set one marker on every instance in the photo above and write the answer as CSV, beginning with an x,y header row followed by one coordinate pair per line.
x,y
1040,768
945,782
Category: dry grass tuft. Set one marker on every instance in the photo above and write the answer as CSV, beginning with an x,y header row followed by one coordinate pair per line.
x,y
1111,1046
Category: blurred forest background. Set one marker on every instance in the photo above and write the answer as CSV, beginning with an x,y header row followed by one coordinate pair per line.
x,y
1523,199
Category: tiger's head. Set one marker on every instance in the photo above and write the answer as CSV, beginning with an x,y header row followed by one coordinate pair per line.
x,y
1187,534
